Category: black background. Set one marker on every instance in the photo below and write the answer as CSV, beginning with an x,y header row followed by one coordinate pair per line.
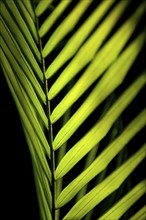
x,y
18,195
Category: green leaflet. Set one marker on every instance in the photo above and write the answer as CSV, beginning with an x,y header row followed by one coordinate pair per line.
x,y
41,175
66,26
42,7
26,85
126,202
90,46
111,80
102,60
85,144
45,213
92,101
106,187
12,7
18,55
78,38
21,41
140,215
28,16
27,108
53,17
32,137
28,6
102,161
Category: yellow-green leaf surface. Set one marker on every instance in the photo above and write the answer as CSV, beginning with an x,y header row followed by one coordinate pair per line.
x,y
29,17
53,17
28,6
12,7
26,84
75,70
12,25
43,178
109,185
29,112
110,81
85,144
102,161
140,215
45,212
15,50
66,26
78,38
104,57
126,202
42,7
105,124
36,140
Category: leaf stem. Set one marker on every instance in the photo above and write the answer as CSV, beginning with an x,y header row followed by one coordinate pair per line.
x,y
49,134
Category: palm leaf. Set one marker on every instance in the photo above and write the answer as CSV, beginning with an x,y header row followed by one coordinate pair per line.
x,y
70,68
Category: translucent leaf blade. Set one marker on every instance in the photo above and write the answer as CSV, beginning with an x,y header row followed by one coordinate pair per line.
x,y
111,80
103,59
126,202
65,26
97,194
102,161
84,145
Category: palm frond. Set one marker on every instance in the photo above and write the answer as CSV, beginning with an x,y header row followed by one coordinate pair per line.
x,y
70,68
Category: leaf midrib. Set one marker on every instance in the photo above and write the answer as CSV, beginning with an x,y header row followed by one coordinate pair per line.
x,y
49,131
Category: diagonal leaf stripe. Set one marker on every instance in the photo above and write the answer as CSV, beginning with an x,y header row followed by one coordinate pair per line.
x,y
31,116
26,85
23,27
28,127
78,38
31,138
102,60
39,169
67,62
13,27
127,201
45,213
53,17
140,215
102,161
42,6
15,50
109,185
110,80
84,145
66,26
28,6
29,17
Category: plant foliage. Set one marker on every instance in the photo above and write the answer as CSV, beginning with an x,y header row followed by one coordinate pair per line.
x,y
76,73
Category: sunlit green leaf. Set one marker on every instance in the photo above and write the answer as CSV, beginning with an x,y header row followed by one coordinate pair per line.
x,y
21,40
15,50
42,6
109,185
75,70
29,112
101,161
126,202
104,57
28,15
66,26
111,80
102,127
53,17
140,215
77,39
29,8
